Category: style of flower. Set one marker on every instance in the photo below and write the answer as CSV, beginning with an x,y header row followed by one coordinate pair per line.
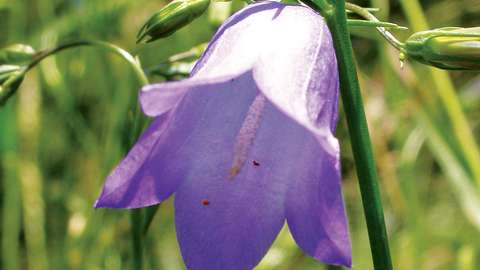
x,y
245,143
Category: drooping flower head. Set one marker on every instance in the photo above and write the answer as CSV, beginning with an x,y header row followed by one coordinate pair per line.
x,y
245,143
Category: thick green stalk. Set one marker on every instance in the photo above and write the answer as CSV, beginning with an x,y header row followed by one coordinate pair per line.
x,y
359,137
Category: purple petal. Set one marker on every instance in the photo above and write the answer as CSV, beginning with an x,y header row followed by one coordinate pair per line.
x,y
227,56
303,85
245,214
156,99
194,135
290,51
133,183
315,211
293,64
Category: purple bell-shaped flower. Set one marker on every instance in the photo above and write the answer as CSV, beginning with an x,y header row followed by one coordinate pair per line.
x,y
245,143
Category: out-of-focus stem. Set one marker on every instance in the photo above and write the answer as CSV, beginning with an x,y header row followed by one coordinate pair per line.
x,y
30,177
12,211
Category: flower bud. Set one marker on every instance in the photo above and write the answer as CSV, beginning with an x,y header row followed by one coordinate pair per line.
x,y
171,18
10,79
446,48
16,54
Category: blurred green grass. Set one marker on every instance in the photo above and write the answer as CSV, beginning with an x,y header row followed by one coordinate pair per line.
x,y
65,130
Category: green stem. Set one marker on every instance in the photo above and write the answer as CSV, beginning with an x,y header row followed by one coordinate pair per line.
x,y
100,44
359,137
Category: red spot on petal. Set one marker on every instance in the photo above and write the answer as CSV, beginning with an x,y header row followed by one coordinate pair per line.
x,y
255,163
206,202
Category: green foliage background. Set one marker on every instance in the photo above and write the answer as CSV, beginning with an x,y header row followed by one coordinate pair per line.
x,y
65,130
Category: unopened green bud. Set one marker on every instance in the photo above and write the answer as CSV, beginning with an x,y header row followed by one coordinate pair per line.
x,y
446,48
16,54
171,18
10,79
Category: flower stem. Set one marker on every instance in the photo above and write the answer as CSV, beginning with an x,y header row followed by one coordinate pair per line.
x,y
359,137
100,44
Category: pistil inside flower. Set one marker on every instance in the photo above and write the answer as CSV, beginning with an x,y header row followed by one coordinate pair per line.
x,y
246,134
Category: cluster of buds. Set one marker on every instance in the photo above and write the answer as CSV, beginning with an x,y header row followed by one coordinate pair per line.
x,y
171,18
446,48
